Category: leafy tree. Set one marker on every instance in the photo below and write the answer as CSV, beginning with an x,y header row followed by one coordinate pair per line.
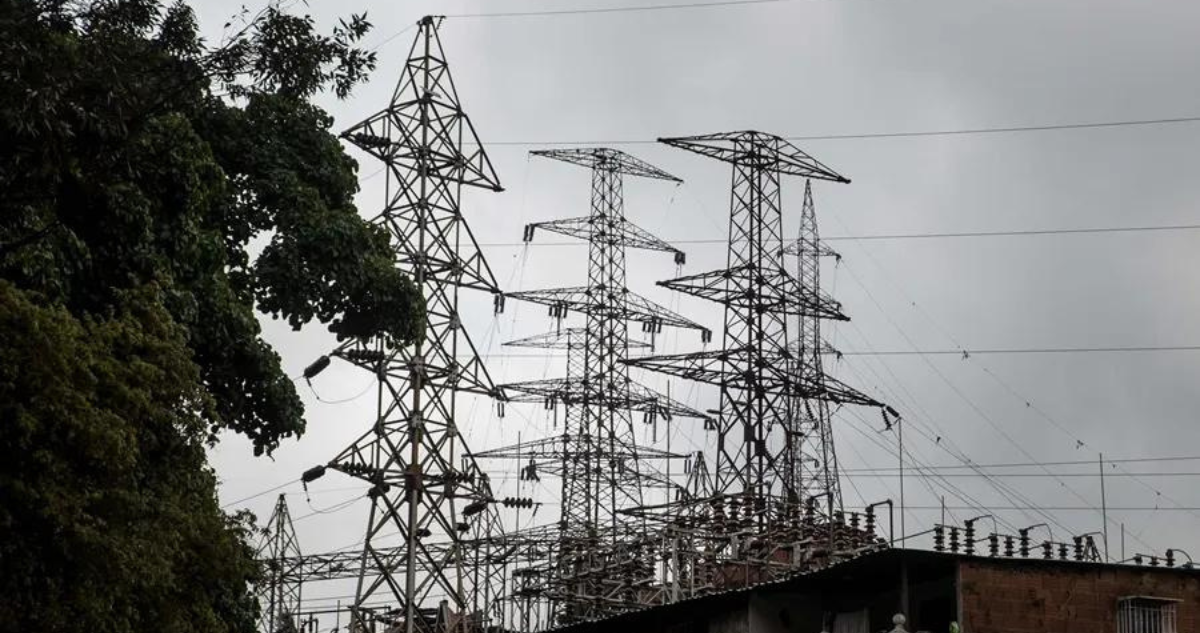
x,y
138,167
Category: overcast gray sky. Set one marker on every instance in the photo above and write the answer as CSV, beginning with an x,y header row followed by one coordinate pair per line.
x,y
847,67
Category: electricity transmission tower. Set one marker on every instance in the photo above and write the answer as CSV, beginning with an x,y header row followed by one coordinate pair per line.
x,y
279,590
425,488
760,441
602,468
812,466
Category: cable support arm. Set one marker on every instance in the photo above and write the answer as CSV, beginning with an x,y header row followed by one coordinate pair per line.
x,y
609,160
759,150
578,391
780,292
823,250
563,339
625,234
726,367
580,299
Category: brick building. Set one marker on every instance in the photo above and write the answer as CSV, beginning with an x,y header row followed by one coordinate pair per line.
x,y
981,594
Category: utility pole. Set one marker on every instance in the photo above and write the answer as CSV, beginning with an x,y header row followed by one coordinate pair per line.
x,y
900,441
1104,508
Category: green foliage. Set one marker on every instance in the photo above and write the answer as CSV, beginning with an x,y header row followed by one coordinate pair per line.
x,y
155,195
109,520
120,165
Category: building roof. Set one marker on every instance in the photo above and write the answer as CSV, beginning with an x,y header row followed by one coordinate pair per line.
x,y
877,567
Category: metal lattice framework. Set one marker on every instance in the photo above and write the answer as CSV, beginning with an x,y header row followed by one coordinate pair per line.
x,y
279,590
425,488
810,456
771,506
756,370
602,468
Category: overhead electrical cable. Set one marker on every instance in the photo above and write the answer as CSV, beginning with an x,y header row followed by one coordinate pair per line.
x,y
1008,129
621,9
957,391
961,353
1028,403
970,403
264,492
908,236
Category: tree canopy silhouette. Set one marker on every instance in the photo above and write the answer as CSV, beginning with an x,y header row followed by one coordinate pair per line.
x,y
156,192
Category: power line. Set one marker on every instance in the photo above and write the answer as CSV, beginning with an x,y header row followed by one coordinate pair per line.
x,y
624,9
905,236
1079,462
264,492
1062,508
1011,129
964,353
1043,475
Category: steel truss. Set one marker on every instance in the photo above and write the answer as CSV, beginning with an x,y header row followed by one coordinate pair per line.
x,y
810,457
602,469
279,590
425,487
776,504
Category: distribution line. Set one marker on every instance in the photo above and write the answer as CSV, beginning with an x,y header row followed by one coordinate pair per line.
x,y
962,353
264,492
1009,129
971,403
967,352
1010,495
1078,462
622,9
951,489
909,236
1042,475
1028,403
1066,508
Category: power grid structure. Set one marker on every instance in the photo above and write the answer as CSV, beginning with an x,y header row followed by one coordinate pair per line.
x,y
590,569
777,506
811,457
425,489
279,589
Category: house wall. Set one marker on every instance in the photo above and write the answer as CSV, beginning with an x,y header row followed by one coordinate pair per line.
x,y
736,620
1045,598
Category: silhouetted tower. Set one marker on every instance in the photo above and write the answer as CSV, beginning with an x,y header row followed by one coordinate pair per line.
x,y
811,454
424,485
279,590
755,369
601,396
603,468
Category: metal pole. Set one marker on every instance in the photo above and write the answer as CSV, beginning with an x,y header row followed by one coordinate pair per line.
x,y
1104,508
900,437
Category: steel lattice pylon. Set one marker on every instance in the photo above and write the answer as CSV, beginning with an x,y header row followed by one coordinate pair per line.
x,y
812,464
759,451
279,590
602,468
424,485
